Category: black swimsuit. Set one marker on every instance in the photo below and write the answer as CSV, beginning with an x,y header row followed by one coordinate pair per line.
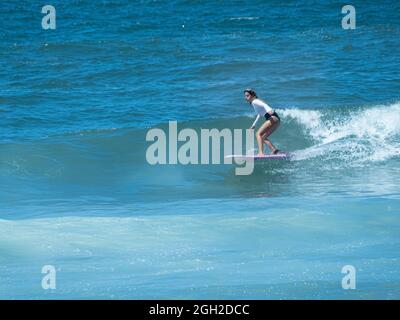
x,y
268,116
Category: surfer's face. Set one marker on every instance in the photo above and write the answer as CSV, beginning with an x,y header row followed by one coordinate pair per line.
x,y
248,96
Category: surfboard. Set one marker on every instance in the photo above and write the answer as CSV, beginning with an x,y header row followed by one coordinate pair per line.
x,y
279,156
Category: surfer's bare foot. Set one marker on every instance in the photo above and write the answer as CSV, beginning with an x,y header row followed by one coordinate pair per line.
x,y
260,154
276,151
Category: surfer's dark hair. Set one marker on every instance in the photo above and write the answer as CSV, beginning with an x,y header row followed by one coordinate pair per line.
x,y
251,92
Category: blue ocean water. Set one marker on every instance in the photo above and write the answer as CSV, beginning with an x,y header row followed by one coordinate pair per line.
x,y
77,193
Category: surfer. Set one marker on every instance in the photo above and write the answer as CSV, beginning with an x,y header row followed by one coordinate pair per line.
x,y
272,121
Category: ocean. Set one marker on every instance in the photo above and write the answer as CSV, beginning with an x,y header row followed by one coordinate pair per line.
x,y
78,194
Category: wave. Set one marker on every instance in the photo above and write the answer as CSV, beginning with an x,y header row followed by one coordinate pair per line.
x,y
348,150
351,136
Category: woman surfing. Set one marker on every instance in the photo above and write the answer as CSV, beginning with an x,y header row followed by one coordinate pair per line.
x,y
272,121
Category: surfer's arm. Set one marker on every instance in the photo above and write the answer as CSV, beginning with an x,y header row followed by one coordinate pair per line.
x,y
255,122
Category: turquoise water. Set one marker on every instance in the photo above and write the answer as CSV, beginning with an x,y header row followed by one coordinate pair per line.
x,y
77,193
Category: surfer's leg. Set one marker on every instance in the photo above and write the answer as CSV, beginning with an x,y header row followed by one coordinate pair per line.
x,y
260,135
271,128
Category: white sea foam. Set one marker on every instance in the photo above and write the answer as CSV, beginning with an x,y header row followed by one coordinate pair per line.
x,y
244,18
371,134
